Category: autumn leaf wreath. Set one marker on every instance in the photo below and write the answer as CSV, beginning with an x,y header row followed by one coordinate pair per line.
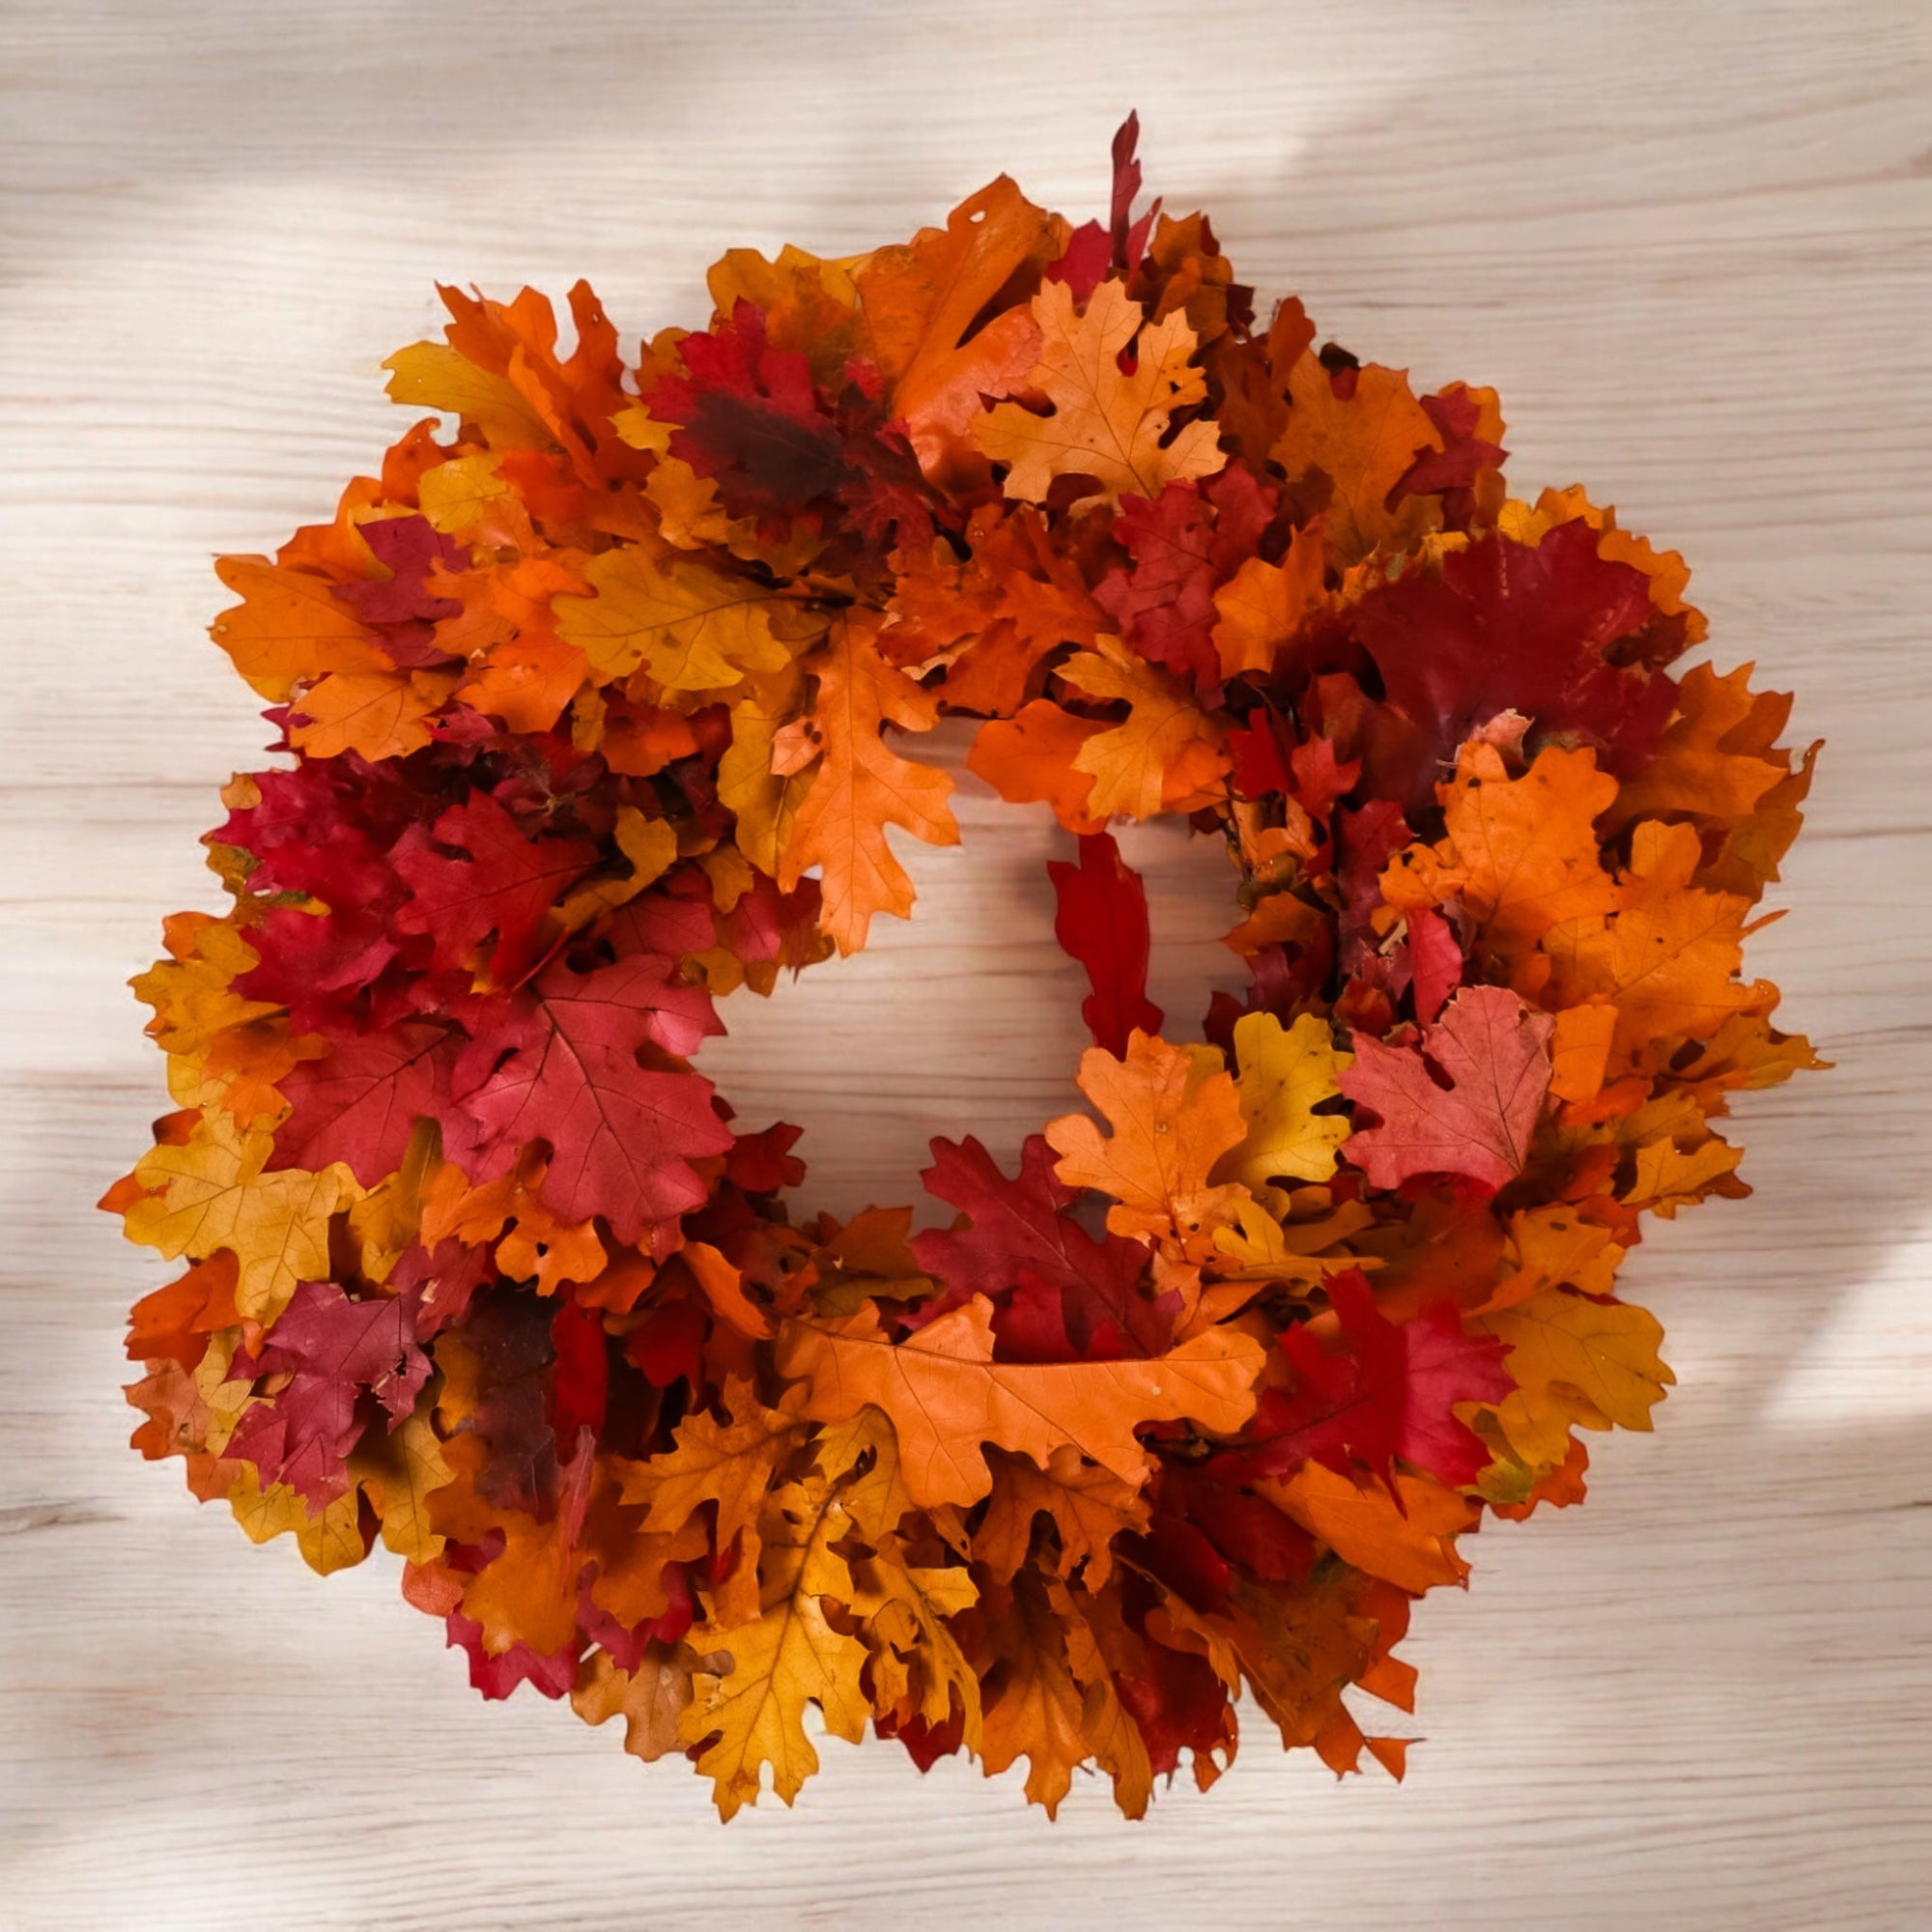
x,y
595,696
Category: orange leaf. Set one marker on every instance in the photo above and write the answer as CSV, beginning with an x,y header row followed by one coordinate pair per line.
x,y
946,1395
1362,442
861,787
1105,426
1409,1542
1175,1112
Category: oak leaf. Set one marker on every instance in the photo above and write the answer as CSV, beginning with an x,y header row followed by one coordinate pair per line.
x,y
1087,1505
1575,1361
1285,1072
946,1395
1106,426
752,1714
214,1192
1362,431
1404,1533
861,787
729,1464
1175,1112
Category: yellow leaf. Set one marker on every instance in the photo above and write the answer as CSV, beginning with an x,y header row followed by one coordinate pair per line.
x,y
1574,1361
330,1541
454,494
1285,1073
402,1468
1105,425
431,376
211,1193
789,1655
1165,734
904,1608
690,627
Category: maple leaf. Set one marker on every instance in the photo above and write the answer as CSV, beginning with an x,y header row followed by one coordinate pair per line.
x,y
213,1192
1494,1054
1106,426
861,787
1175,1113
1287,1072
359,1104
621,1134
947,1396
1102,921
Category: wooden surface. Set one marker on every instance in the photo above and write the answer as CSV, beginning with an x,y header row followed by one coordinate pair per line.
x,y
1689,245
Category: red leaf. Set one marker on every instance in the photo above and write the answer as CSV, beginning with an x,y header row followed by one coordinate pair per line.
x,y
359,1103
621,1134
1510,627
1389,1391
1186,543
333,1350
504,884
1102,923
1059,1295
1493,1052
1435,961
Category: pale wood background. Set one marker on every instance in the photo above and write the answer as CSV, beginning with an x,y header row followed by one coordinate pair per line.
x,y
1689,242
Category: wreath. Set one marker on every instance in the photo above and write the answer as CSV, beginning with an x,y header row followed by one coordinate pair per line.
x,y
598,703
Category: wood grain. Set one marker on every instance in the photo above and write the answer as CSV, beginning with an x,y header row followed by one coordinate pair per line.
x,y
1691,245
